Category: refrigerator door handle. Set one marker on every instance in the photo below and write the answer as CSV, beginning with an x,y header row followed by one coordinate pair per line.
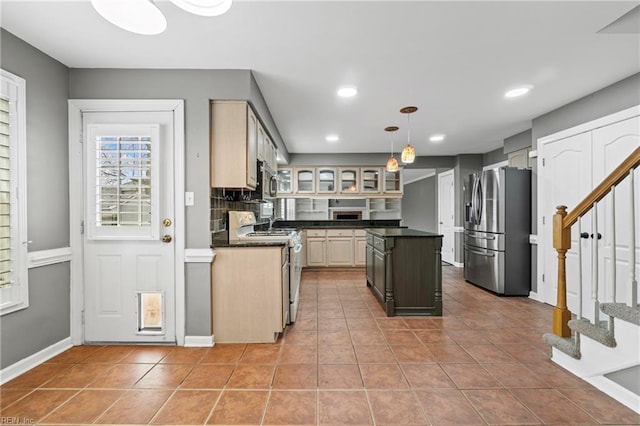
x,y
478,200
481,253
482,237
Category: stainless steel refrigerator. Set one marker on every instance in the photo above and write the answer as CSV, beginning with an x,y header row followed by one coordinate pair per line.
x,y
497,215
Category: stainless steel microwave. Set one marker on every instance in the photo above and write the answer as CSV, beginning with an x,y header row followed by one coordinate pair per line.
x,y
269,181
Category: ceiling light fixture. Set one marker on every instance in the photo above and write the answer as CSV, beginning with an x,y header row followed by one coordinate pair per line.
x,y
347,92
136,16
437,138
518,91
204,7
332,138
392,163
409,152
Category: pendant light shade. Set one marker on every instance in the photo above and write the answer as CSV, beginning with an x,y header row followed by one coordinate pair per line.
x,y
136,16
204,7
392,163
409,152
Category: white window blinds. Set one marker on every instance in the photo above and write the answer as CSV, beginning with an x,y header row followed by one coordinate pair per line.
x,y
6,279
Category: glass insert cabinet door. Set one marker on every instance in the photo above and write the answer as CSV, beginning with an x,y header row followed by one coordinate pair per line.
x,y
393,181
370,180
349,180
285,182
305,181
326,180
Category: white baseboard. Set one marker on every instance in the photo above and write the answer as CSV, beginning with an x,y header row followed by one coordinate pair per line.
x,y
615,391
533,295
456,264
36,259
34,360
198,341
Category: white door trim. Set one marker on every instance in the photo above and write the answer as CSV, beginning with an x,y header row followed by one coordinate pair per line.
x,y
442,175
542,245
76,108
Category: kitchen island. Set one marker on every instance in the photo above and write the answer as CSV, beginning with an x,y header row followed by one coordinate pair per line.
x,y
404,270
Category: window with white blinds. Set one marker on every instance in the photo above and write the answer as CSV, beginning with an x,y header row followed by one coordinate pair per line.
x,y
13,218
6,267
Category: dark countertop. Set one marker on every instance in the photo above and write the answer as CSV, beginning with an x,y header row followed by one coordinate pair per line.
x,y
234,244
401,232
353,224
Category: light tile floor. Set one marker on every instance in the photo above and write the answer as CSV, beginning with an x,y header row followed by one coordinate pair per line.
x,y
343,362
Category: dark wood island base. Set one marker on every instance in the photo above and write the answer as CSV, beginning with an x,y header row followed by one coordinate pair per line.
x,y
404,270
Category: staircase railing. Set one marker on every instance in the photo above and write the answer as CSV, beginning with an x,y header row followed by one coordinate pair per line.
x,y
562,223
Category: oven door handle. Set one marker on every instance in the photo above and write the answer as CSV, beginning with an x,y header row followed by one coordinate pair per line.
x,y
297,248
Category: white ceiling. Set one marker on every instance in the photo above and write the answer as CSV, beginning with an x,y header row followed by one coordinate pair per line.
x,y
454,60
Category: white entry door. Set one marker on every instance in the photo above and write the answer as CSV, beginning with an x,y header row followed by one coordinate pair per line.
x,y
129,254
445,215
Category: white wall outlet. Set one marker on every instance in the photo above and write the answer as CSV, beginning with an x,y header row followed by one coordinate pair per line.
x,y
189,199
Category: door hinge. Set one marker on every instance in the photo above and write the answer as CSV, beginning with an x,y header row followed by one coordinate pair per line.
x,y
542,277
82,317
543,220
82,227
543,163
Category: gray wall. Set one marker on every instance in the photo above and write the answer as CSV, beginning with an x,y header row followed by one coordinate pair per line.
x,y
492,157
420,204
517,142
197,88
46,320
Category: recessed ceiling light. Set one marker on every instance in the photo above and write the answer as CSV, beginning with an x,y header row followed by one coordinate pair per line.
x,y
518,91
347,92
137,16
332,138
204,7
437,138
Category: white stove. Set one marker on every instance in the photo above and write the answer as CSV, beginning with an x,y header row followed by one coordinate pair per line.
x,y
241,228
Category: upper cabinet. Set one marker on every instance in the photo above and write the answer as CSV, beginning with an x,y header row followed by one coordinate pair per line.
x,y
234,145
393,182
305,180
327,179
349,180
340,182
370,180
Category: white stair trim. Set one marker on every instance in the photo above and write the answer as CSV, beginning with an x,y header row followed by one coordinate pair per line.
x,y
36,259
26,364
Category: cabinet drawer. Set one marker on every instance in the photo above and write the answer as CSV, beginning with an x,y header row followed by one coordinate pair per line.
x,y
339,232
316,232
359,232
379,243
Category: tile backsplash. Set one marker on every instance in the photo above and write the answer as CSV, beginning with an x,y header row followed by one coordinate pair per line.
x,y
221,203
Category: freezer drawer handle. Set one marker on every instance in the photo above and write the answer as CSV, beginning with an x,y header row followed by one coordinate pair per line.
x,y
482,237
481,253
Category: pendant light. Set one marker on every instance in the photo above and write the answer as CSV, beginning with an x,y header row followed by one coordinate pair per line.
x,y
136,16
392,163
204,7
409,152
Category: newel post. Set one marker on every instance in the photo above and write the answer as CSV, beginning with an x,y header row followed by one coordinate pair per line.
x,y
562,243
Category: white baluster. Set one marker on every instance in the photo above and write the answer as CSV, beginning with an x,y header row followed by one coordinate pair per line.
x,y
632,287
579,313
612,272
594,264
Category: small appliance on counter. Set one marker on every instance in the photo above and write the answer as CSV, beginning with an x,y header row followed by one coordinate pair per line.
x,y
241,228
497,215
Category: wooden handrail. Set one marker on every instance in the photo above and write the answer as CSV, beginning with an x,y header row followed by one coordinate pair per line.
x,y
562,222
600,191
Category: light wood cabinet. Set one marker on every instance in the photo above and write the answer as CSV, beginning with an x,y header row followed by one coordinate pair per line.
x,y
370,180
392,182
326,178
349,180
285,181
249,303
305,181
360,247
336,247
234,145
316,251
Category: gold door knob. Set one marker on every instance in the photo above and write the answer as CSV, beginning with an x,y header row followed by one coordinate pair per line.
x,y
166,239
167,222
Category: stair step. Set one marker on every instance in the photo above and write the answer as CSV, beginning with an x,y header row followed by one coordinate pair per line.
x,y
563,344
622,311
599,333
